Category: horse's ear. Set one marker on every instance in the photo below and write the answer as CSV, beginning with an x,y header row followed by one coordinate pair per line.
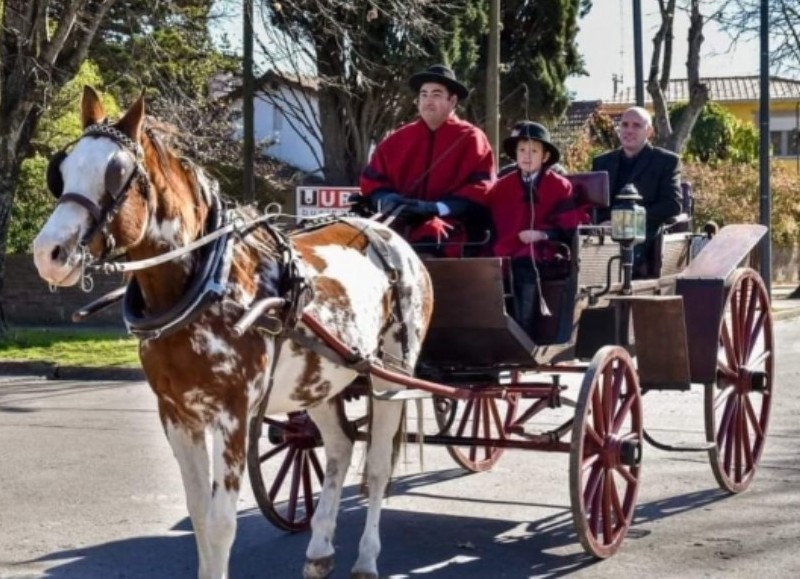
x,y
92,111
131,123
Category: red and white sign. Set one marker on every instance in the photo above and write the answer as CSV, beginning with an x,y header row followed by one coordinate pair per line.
x,y
313,201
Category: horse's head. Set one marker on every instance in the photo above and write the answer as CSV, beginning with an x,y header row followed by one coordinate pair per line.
x,y
102,193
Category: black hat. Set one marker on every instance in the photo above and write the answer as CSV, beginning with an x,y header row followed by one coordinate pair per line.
x,y
530,131
440,74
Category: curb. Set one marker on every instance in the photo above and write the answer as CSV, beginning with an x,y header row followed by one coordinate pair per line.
x,y
53,371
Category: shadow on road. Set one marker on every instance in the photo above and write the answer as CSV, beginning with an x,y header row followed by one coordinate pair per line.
x,y
439,546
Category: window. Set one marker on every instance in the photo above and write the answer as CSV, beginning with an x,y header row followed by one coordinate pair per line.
x,y
783,135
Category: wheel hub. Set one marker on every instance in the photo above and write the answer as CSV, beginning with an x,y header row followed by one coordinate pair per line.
x,y
617,451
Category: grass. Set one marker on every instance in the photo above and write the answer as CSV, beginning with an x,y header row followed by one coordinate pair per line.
x,y
70,347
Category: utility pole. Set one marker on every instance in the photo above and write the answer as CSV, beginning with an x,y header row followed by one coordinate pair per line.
x,y
765,199
248,89
493,80
637,52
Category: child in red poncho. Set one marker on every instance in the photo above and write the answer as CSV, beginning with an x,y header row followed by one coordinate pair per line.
x,y
531,205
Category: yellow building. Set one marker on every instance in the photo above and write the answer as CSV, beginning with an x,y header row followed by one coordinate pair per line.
x,y
740,95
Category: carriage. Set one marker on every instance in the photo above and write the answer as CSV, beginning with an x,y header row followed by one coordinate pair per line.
x,y
242,321
700,317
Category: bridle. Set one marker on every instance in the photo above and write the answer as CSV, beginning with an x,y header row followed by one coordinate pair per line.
x,y
124,168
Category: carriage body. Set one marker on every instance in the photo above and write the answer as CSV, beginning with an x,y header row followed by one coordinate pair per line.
x,y
700,318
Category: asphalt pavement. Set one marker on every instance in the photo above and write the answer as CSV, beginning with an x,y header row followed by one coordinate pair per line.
x,y
89,490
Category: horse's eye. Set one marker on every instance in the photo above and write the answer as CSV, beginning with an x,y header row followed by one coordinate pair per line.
x,y
118,172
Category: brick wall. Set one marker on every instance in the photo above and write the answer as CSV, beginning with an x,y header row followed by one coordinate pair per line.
x,y
27,300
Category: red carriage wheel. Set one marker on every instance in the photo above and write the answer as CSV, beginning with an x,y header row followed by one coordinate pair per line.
x,y
606,451
287,453
737,406
481,416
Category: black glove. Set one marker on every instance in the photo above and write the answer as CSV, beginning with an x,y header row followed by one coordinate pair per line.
x,y
420,208
386,201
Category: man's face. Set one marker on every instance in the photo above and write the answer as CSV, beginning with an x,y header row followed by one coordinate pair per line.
x,y
435,104
531,155
634,130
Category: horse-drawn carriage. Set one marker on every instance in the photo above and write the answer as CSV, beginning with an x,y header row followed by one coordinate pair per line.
x,y
698,318
249,332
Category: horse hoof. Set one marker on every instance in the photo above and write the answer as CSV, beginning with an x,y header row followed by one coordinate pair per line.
x,y
318,568
363,575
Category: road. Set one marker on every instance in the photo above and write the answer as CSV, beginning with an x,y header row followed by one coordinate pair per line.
x,y
89,490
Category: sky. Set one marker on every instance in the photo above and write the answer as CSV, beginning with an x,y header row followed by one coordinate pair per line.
x,y
605,40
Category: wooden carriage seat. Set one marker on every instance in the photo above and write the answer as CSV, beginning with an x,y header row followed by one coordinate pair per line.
x,y
591,190
470,325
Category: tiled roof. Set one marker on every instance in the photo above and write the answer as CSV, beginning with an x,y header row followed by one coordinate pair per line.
x,y
721,89
573,122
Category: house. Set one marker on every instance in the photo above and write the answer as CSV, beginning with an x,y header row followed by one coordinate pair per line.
x,y
740,95
285,117
573,124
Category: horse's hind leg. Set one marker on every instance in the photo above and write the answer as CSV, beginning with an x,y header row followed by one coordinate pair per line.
x,y
385,422
338,452
192,456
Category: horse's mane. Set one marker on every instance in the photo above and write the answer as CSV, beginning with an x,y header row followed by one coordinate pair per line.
x,y
160,134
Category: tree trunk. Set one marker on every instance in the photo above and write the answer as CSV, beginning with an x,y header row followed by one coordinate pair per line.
x,y
669,137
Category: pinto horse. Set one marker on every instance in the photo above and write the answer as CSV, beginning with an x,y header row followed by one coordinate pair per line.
x,y
201,271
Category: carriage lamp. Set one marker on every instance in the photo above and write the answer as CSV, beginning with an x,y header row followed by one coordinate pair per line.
x,y
628,218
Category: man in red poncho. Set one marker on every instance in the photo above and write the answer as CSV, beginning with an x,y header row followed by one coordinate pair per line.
x,y
439,168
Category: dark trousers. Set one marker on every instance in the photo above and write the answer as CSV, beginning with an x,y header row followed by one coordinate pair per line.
x,y
526,296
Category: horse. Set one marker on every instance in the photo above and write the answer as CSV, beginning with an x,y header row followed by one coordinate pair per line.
x,y
201,278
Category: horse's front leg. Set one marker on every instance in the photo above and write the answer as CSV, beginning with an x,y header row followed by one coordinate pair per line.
x,y
192,456
338,452
384,425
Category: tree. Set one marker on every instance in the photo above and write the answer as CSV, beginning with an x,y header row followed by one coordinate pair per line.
x,y
742,20
363,52
42,45
358,56
538,51
669,136
718,135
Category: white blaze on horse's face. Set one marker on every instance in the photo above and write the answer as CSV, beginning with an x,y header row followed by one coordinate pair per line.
x,y
55,247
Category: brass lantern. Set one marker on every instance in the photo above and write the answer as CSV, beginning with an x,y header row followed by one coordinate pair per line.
x,y
628,218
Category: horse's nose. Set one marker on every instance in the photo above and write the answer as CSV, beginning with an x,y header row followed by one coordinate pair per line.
x,y
58,255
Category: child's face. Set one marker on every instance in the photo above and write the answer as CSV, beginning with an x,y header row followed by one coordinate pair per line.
x,y
531,155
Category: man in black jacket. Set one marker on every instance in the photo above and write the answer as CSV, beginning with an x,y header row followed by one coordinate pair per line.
x,y
654,171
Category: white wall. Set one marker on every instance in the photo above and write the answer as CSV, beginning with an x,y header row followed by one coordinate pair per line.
x,y
277,124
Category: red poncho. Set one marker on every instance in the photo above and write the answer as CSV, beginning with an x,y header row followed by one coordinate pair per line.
x,y
554,212
454,160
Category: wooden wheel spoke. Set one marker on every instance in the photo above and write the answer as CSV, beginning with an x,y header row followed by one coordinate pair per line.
x,y
308,493
608,489
727,432
297,481
613,396
747,442
623,412
497,420
590,461
727,419
727,346
596,504
277,449
723,396
750,310
619,512
625,472
593,437
593,483
739,443
288,460
752,418
314,459
598,416
466,417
